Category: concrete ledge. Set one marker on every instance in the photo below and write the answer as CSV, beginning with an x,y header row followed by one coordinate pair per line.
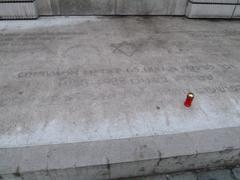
x,y
124,158
212,9
18,9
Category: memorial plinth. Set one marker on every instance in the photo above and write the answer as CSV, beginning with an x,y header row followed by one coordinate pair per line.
x,y
102,97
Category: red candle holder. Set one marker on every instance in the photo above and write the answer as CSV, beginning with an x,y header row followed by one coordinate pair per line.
x,y
189,100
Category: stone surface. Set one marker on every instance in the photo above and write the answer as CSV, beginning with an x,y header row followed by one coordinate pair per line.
x,y
103,96
183,176
44,7
151,7
138,7
216,1
223,174
111,7
18,10
237,12
213,9
216,175
87,7
210,10
179,176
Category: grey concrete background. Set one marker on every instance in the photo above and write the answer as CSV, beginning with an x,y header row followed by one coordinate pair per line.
x,y
112,7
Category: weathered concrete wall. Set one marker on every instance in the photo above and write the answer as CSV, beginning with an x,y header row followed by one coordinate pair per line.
x,y
112,7
150,7
213,9
45,7
237,12
22,10
87,7
192,9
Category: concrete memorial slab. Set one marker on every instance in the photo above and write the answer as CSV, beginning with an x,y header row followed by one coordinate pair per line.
x,y
97,98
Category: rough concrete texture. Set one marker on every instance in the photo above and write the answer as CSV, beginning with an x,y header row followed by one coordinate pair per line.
x,y
112,7
45,7
213,9
48,7
210,10
195,8
87,7
237,12
223,174
18,10
215,1
87,97
218,175
151,7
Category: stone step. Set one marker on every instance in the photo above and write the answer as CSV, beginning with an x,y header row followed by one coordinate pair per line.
x,y
20,9
213,9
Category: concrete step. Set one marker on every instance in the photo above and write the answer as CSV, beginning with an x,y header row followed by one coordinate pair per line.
x,y
18,9
213,9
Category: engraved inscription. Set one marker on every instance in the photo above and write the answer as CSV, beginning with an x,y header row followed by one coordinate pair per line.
x,y
130,70
219,89
37,74
83,81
